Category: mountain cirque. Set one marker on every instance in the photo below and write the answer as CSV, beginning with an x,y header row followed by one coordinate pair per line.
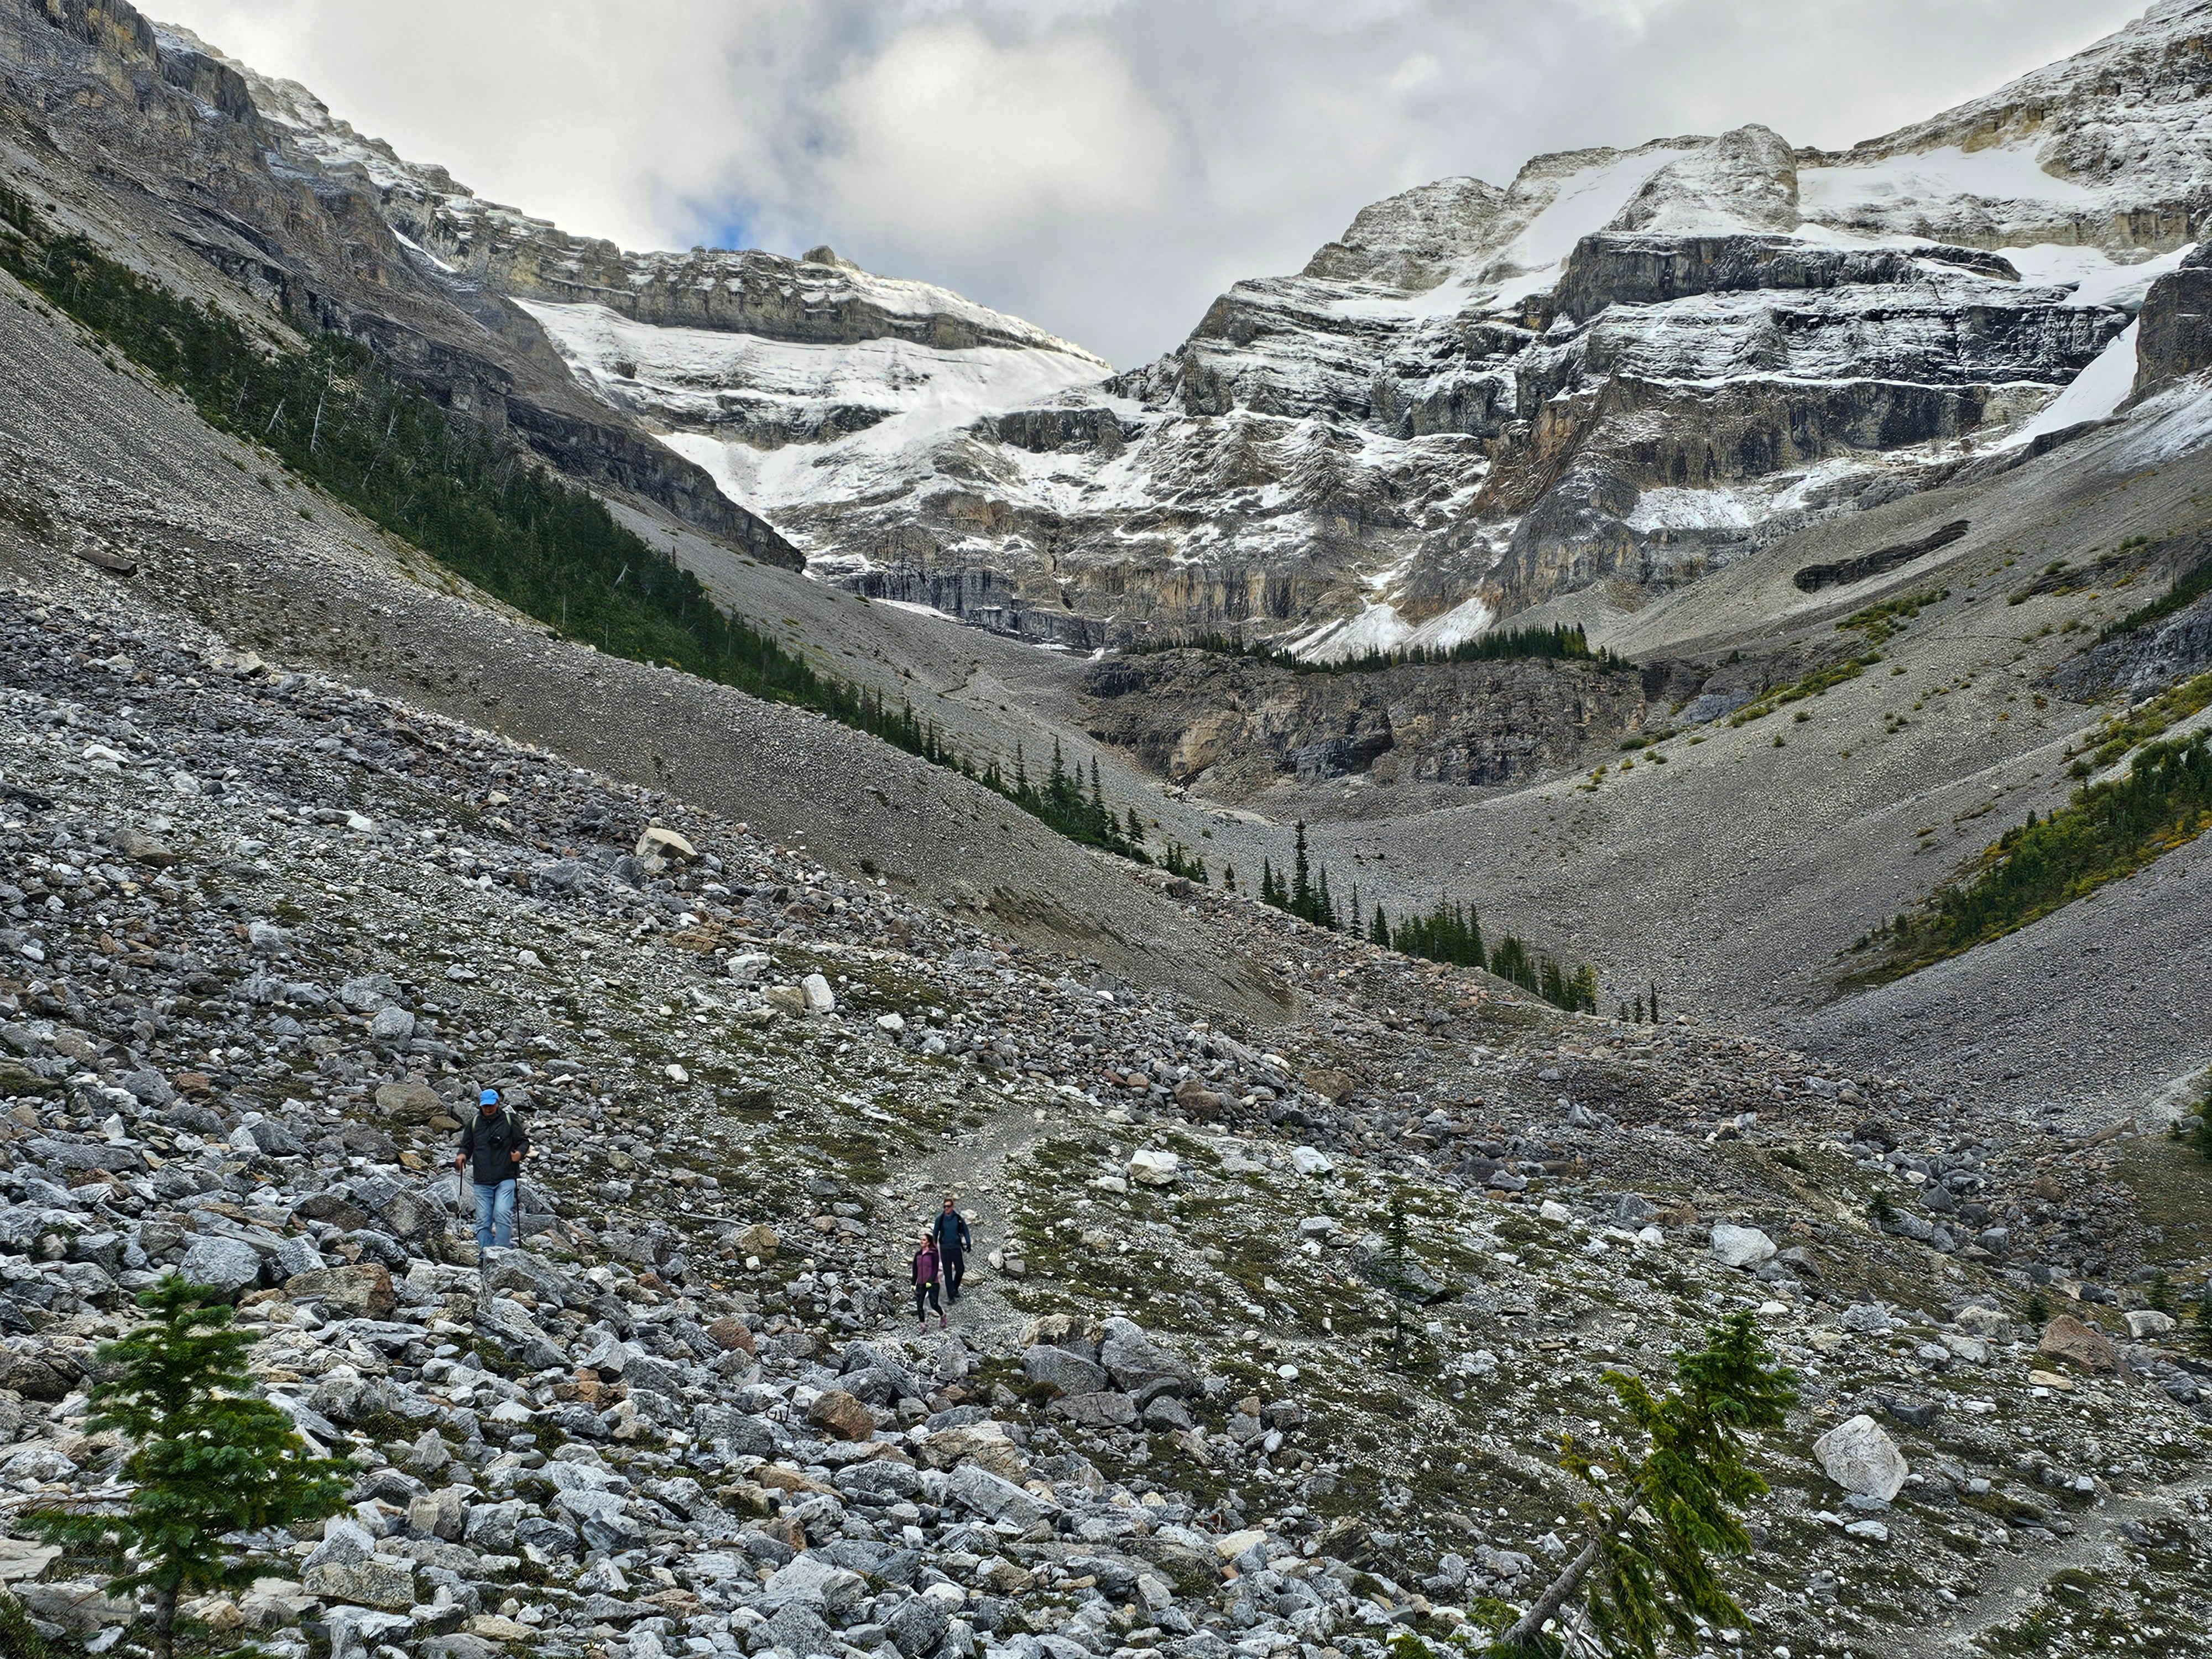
x,y
1623,369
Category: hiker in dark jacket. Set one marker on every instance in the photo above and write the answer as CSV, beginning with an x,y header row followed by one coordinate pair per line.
x,y
925,1285
493,1144
951,1241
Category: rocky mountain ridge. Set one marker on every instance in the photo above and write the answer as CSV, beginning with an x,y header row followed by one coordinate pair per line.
x,y
1621,370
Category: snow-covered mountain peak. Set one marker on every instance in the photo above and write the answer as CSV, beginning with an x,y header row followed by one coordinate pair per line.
x,y
1745,180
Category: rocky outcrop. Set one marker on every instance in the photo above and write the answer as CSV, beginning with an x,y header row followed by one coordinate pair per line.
x,y
1815,577
2140,661
1233,727
1609,268
2175,336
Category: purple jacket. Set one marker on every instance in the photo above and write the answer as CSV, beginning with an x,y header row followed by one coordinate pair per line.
x,y
925,1265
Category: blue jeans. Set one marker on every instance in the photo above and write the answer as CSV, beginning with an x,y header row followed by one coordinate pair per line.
x,y
494,1215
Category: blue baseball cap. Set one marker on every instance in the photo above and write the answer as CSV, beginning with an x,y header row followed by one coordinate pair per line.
x,y
488,1097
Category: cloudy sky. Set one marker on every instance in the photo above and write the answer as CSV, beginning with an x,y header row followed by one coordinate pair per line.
x,y
1103,167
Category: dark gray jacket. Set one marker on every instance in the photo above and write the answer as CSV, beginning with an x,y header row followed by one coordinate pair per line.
x,y
489,1145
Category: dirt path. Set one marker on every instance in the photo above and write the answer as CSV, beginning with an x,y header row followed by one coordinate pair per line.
x,y
2096,1535
972,1166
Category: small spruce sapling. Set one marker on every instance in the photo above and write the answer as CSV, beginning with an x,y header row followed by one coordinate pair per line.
x,y
2038,1310
1647,1566
1880,1211
207,1459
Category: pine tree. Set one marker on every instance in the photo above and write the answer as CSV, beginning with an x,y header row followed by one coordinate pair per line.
x,y
1229,878
1135,832
2201,1337
1301,879
1379,934
1647,1566
1324,908
207,1458
1654,1002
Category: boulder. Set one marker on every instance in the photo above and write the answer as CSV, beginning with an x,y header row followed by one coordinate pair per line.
x,y
1153,1169
1102,1410
1135,1361
842,1415
660,846
986,1445
2078,1343
787,999
760,1239
2148,1321
1070,1373
1860,1457
140,847
413,1101
230,1265
820,1000
998,1499
730,1333
357,1292
1739,1247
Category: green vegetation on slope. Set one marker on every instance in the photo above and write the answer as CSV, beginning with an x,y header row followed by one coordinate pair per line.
x,y
2189,587
2147,719
2108,830
1453,932
1561,643
1878,621
483,507
1813,684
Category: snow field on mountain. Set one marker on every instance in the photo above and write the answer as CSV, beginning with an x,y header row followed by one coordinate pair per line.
x,y
695,375
2000,174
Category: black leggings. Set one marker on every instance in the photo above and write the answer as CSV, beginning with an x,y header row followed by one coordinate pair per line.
x,y
955,1269
927,1294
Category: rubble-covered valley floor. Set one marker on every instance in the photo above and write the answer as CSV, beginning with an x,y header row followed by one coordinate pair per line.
x,y
1270,1335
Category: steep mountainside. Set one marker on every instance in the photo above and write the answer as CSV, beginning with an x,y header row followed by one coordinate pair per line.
x,y
141,136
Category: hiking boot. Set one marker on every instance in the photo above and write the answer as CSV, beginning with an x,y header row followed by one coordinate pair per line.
x,y
943,1323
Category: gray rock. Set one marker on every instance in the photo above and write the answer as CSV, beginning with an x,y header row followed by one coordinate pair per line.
x,y
230,1265
1134,1361
998,1499
1105,1410
1069,1372
918,1625
1860,1458
1741,1247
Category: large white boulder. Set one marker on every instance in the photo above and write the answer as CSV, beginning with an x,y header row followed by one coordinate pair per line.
x,y
1149,1168
1860,1457
1741,1247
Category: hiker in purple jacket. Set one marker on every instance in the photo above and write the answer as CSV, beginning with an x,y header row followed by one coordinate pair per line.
x,y
925,1285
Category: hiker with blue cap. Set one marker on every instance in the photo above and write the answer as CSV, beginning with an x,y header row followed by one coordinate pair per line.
x,y
495,1141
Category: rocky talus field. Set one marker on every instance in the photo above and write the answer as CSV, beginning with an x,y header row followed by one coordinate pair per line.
x,y
1271,1331
1858,508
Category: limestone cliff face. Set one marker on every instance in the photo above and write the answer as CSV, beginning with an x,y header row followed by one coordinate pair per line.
x,y
1232,728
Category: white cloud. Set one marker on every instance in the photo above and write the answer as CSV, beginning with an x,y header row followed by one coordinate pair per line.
x,y
948,132
1102,167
